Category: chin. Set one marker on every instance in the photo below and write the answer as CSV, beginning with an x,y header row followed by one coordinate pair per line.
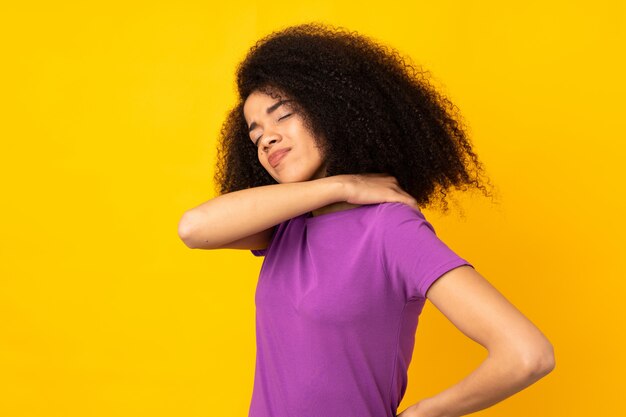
x,y
289,177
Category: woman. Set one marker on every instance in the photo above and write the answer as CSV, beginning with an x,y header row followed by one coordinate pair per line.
x,y
324,163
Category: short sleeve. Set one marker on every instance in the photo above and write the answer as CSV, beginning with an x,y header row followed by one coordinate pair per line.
x,y
412,252
262,252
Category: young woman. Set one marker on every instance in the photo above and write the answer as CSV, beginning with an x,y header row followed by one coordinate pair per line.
x,y
335,144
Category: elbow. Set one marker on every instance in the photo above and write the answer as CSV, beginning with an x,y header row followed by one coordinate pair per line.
x,y
185,230
546,362
529,361
540,361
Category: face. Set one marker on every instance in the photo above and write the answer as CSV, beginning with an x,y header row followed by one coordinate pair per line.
x,y
276,126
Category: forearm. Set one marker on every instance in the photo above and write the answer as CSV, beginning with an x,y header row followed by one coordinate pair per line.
x,y
232,216
497,378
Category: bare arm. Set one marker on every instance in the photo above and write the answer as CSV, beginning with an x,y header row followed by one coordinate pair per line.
x,y
519,353
254,211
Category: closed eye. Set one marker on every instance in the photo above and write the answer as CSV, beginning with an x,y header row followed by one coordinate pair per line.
x,y
257,139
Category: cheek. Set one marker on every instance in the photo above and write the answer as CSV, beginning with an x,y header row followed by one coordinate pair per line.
x,y
315,152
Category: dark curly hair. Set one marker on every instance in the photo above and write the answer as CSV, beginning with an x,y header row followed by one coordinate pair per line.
x,y
369,109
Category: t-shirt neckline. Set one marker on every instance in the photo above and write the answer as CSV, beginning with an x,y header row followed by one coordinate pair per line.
x,y
309,219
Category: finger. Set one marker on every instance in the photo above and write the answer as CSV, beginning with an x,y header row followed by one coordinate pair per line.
x,y
409,199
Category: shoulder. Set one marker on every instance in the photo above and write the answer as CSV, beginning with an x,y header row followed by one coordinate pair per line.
x,y
397,207
398,214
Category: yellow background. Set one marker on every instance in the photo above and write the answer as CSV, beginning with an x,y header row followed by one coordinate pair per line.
x,y
110,114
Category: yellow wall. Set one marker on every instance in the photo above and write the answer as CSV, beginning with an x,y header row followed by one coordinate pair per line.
x,y
110,114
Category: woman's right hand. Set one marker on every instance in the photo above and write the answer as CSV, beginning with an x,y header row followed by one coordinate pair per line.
x,y
372,188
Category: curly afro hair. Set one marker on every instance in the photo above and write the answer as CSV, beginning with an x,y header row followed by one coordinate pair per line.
x,y
369,109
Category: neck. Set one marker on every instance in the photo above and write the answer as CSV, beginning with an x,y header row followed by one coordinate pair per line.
x,y
342,205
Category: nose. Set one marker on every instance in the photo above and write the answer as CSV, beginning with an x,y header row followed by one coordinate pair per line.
x,y
270,138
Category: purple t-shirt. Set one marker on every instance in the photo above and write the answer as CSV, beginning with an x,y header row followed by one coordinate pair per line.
x,y
337,306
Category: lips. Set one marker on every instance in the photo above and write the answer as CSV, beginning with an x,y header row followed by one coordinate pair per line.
x,y
276,156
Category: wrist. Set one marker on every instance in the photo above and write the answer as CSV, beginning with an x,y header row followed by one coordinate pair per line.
x,y
426,408
337,188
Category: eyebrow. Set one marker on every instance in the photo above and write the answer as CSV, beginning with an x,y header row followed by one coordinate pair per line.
x,y
269,110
